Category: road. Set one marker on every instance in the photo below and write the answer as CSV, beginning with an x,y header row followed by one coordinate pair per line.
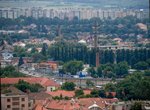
x,y
81,82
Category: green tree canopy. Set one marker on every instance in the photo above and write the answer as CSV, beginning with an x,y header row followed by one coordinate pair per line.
x,y
25,86
69,86
79,92
10,71
20,61
134,86
122,69
94,93
73,66
141,65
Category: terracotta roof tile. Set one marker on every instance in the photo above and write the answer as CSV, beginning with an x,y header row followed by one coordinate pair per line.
x,y
79,104
42,81
39,96
11,91
40,107
63,93
63,105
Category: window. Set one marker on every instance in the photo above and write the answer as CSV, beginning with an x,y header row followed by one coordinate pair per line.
x,y
15,109
22,105
15,98
8,106
8,100
29,104
15,103
23,99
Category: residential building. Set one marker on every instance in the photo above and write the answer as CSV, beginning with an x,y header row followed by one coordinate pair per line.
x,y
46,67
6,53
48,84
39,98
64,93
81,13
80,104
14,99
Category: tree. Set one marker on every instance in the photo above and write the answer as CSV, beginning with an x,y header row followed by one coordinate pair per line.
x,y
94,93
99,71
89,83
121,69
102,94
92,71
73,66
69,86
79,93
108,72
20,61
10,71
141,65
25,86
44,49
110,95
148,61
38,58
110,87
147,72
134,86
136,106
33,50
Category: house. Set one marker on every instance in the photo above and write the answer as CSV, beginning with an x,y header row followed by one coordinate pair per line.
x,y
62,105
64,93
43,67
48,84
6,50
96,103
14,99
6,53
39,98
80,104
47,67
20,44
26,60
142,26
39,107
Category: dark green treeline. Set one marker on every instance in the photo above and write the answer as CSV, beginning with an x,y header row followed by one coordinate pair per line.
x,y
65,51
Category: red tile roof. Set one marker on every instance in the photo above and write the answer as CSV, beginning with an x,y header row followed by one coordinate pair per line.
x,y
32,80
62,92
62,105
101,102
86,92
79,104
40,107
65,93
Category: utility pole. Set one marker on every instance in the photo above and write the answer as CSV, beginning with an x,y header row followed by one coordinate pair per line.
x,y
95,32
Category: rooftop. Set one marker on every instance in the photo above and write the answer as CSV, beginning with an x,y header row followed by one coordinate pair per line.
x,y
65,93
11,91
32,80
39,96
78,104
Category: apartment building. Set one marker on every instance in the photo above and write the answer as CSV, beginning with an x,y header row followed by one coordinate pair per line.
x,y
14,99
81,13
